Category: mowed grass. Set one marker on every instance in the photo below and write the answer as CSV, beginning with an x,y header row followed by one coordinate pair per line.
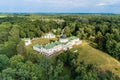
x,y
42,41
5,15
97,57
2,16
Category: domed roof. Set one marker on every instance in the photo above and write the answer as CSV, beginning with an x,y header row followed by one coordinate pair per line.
x,y
63,36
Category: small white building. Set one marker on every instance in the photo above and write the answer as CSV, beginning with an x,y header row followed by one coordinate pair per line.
x,y
49,35
27,41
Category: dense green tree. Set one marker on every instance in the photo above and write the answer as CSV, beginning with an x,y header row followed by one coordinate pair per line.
x,y
67,31
4,31
9,49
21,48
58,31
111,47
4,62
67,57
8,74
85,72
14,34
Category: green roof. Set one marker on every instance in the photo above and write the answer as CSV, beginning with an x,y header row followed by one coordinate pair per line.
x,y
38,46
49,45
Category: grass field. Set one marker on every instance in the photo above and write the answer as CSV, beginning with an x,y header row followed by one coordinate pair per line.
x,y
97,57
2,16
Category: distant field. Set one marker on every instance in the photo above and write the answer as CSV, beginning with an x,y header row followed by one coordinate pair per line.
x,y
97,57
2,16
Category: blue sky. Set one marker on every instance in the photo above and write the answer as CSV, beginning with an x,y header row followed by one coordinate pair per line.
x,y
61,6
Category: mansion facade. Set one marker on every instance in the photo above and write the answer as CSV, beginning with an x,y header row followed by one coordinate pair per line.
x,y
63,43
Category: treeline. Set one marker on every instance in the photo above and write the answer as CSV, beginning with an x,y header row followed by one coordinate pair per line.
x,y
40,68
28,28
37,67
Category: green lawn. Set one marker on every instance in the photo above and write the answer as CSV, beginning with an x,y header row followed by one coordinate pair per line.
x,y
97,57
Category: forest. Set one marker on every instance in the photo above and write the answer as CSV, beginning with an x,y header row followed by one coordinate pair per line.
x,y
16,63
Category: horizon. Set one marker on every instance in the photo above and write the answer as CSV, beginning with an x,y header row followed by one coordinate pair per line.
x,y
52,13
62,6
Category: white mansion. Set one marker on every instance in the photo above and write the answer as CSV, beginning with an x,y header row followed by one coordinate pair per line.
x,y
63,43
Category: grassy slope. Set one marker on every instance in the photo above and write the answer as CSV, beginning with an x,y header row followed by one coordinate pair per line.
x,y
97,57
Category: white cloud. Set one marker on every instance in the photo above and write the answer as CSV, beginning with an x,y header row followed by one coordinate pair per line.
x,y
101,4
61,3
107,2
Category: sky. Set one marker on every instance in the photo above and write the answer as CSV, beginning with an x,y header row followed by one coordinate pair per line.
x,y
60,6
